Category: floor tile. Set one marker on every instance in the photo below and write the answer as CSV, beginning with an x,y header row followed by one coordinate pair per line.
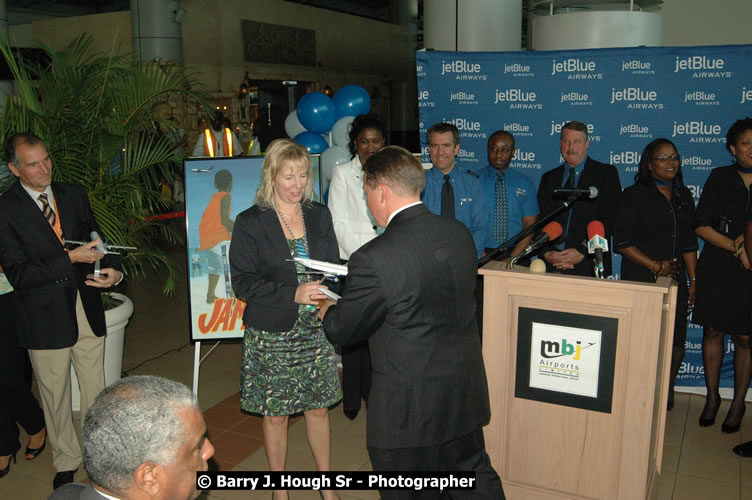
x,y
717,468
697,488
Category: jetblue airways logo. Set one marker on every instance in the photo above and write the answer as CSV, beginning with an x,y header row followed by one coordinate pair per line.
x,y
701,98
467,128
702,67
424,100
635,130
699,131
518,99
637,67
463,98
636,98
746,95
463,69
576,69
518,129
576,99
518,70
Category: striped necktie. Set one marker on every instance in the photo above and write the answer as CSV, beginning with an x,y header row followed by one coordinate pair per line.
x,y
501,211
47,211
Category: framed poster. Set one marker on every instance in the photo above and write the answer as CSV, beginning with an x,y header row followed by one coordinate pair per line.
x,y
566,358
215,313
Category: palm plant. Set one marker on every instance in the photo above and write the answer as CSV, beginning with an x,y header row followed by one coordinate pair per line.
x,y
94,113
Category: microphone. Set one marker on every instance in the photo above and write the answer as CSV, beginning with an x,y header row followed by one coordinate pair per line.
x,y
550,232
591,192
597,244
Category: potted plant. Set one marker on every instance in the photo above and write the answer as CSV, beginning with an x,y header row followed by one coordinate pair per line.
x,y
94,113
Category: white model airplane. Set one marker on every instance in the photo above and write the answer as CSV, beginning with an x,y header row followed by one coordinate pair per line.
x,y
328,269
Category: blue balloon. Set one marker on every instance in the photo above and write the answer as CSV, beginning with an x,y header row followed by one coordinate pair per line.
x,y
312,141
352,100
316,112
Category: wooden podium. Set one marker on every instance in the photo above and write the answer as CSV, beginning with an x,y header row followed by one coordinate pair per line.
x,y
554,444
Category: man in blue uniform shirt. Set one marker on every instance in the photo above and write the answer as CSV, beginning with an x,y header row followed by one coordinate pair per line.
x,y
453,191
510,195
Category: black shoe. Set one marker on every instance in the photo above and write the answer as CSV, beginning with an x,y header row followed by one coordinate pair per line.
x,y
735,415
744,449
670,404
351,414
63,477
4,472
707,418
32,453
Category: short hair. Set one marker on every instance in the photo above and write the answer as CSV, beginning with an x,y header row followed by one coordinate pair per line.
x,y
736,130
134,421
497,134
441,128
223,180
396,168
361,123
282,153
643,175
16,140
578,126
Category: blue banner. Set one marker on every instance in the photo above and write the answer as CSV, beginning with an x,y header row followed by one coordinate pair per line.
x,y
627,96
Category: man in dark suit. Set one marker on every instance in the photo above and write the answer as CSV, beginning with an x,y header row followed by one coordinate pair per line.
x,y
144,438
410,293
59,311
568,253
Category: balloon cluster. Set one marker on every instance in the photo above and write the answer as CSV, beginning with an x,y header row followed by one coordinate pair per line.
x,y
319,114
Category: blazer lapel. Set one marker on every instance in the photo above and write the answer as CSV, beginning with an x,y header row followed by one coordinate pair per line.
x,y
29,208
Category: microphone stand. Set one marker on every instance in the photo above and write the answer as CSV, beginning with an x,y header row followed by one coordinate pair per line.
x,y
507,245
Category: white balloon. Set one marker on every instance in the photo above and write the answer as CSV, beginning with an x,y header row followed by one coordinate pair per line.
x,y
333,156
292,124
341,131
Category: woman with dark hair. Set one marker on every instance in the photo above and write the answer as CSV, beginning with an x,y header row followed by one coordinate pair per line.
x,y
724,283
287,362
354,227
654,233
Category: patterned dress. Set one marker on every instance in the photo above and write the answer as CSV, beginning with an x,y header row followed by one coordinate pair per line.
x,y
283,373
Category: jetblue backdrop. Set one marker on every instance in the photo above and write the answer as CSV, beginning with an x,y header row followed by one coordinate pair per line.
x,y
628,97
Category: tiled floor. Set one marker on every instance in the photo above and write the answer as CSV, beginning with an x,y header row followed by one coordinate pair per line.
x,y
698,463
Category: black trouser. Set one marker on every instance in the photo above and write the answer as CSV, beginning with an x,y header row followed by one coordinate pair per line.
x,y
467,454
356,375
17,403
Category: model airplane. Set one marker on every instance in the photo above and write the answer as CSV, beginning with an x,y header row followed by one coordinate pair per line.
x,y
328,269
101,248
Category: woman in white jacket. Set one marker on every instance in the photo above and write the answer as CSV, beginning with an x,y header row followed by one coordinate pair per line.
x,y
354,227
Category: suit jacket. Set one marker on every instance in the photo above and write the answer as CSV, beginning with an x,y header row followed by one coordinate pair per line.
x,y
38,266
583,211
263,273
410,292
76,491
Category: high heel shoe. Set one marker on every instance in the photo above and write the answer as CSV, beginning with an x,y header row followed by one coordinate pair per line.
x,y
707,417
737,414
32,453
4,472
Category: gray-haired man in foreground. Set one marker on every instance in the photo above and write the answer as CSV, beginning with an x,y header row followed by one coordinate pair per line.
x,y
144,438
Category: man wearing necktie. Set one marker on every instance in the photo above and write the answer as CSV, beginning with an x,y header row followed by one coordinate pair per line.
x,y
512,205
453,191
59,311
568,253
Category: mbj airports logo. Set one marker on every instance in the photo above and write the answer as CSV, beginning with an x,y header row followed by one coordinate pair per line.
x,y
699,132
636,98
635,130
637,67
559,358
701,98
518,70
576,69
517,99
424,100
702,67
462,70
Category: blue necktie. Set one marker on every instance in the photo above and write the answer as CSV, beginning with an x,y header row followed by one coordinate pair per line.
x,y
447,198
501,212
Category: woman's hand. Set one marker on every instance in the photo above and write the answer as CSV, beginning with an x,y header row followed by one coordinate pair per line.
x,y
692,292
666,268
309,293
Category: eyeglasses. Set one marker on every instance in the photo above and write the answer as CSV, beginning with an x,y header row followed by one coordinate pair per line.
x,y
664,158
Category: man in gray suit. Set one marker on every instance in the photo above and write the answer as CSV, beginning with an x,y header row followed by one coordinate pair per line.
x,y
410,293
144,438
